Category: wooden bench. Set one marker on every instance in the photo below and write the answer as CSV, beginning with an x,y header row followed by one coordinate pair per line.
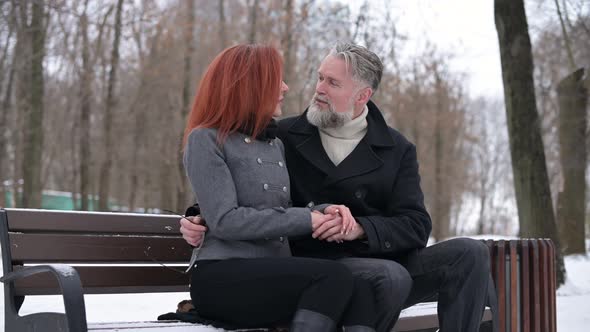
x,y
75,253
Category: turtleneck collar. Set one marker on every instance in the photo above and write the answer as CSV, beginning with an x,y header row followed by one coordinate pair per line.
x,y
354,129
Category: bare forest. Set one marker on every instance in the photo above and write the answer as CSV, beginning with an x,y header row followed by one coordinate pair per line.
x,y
94,95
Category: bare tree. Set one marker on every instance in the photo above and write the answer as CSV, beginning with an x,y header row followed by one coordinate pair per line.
x,y
533,196
32,20
571,202
105,172
182,197
253,18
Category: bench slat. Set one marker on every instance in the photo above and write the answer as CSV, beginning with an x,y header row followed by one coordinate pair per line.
x,y
108,223
69,248
111,279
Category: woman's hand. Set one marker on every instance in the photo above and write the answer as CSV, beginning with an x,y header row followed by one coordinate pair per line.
x,y
192,230
336,226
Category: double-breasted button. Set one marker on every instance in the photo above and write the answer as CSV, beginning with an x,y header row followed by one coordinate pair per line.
x,y
387,244
248,140
282,239
358,194
265,186
310,204
258,160
281,164
285,189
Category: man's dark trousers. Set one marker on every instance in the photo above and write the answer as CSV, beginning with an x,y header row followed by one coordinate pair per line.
x,y
451,272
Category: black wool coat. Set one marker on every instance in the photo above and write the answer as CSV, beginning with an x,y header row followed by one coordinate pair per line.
x,y
378,181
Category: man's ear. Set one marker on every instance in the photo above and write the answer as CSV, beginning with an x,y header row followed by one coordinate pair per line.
x,y
364,95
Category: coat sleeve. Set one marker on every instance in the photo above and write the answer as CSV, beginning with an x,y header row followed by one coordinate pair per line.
x,y
406,225
213,184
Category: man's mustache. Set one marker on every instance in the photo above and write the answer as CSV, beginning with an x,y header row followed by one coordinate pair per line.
x,y
322,99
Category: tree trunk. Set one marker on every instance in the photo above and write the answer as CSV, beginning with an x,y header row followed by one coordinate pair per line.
x,y
531,182
222,24
253,18
105,172
182,195
440,212
32,79
4,124
572,95
287,46
85,97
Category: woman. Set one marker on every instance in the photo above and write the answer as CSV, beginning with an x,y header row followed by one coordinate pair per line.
x,y
244,274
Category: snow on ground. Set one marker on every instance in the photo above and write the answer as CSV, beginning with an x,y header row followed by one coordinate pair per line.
x,y
572,300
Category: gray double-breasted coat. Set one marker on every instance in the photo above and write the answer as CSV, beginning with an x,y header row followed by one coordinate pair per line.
x,y
243,190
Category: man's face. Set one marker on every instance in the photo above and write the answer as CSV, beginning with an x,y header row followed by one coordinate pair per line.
x,y
334,102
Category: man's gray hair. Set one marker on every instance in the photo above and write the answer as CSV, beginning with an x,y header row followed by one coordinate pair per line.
x,y
365,66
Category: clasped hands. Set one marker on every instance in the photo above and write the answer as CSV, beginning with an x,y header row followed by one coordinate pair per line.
x,y
336,224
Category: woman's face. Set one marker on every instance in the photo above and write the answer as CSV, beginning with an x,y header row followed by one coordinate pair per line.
x,y
284,88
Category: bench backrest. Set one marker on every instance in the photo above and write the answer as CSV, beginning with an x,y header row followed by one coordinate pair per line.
x,y
112,252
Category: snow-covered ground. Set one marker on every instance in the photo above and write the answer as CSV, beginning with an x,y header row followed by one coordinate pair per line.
x,y
572,299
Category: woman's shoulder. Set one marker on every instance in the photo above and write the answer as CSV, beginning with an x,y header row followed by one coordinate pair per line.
x,y
202,133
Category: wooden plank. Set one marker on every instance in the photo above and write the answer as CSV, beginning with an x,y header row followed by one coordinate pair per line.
x,y
423,316
545,285
501,284
26,220
536,292
553,283
47,248
525,282
111,280
513,286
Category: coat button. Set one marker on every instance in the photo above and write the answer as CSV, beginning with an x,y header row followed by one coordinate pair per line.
x,y
310,204
387,244
248,140
281,164
358,194
282,239
258,160
285,189
270,142
265,186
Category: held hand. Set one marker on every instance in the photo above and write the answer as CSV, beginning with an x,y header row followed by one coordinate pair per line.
x,y
357,233
192,230
348,222
318,219
332,225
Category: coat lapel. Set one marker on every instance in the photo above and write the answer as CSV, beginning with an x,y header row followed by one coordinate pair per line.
x,y
360,161
309,144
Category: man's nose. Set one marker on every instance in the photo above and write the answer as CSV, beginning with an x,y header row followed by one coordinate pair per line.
x,y
320,88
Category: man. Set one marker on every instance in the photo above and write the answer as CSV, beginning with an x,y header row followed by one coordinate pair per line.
x,y
341,151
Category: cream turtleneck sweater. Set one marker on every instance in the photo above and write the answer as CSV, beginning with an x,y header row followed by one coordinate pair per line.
x,y
340,142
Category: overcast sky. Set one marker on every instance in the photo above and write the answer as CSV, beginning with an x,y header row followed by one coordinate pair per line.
x,y
463,28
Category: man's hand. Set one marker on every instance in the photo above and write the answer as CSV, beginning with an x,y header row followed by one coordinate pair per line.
x,y
357,233
348,221
340,226
192,230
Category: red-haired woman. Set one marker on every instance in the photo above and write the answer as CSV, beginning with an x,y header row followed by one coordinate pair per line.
x,y
244,274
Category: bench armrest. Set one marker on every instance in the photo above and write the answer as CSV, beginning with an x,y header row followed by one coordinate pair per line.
x,y
70,284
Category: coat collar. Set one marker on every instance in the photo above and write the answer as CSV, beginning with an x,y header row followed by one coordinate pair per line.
x,y
362,159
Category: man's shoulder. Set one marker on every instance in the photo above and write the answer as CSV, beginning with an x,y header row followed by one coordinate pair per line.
x,y
285,123
398,137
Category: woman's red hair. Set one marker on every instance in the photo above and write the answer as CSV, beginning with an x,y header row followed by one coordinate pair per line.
x,y
240,89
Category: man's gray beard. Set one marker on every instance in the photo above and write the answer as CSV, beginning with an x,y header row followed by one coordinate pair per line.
x,y
328,118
